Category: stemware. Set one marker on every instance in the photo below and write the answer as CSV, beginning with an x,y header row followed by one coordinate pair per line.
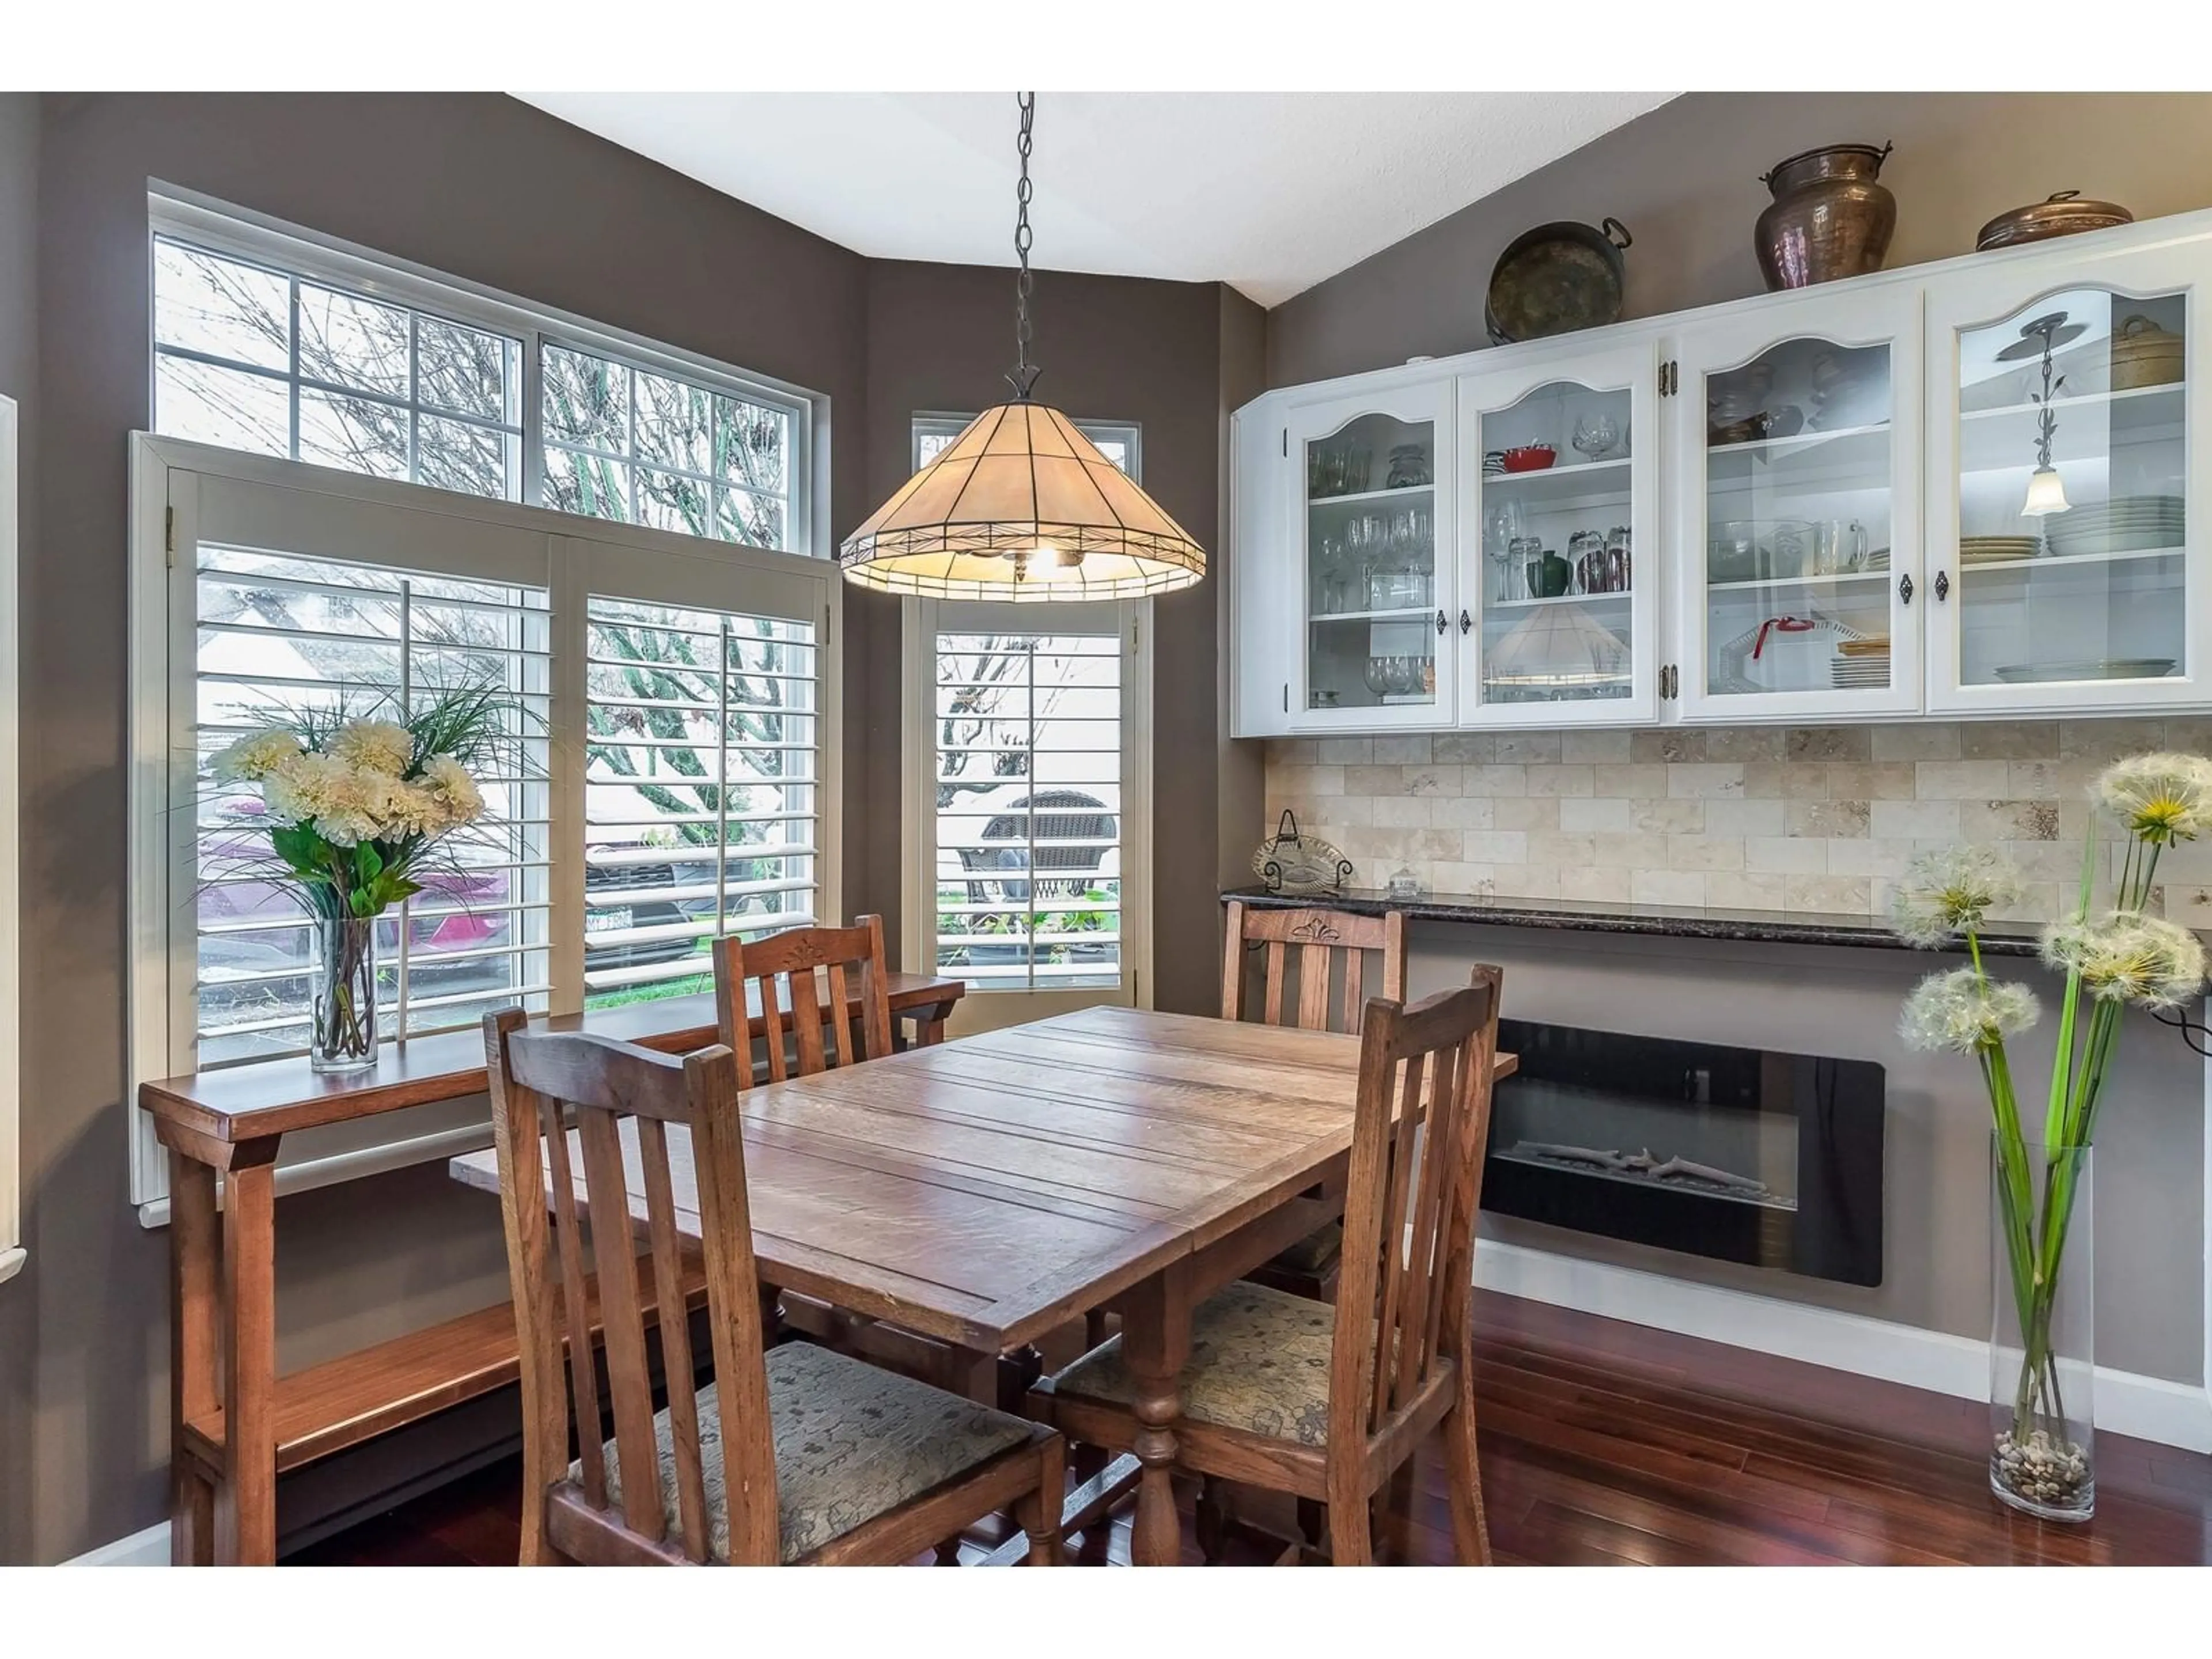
x,y
1503,525
1378,676
1596,436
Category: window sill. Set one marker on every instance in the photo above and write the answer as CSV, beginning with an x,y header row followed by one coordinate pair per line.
x,y
11,1262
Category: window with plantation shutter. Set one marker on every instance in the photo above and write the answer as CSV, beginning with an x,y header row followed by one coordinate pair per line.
x,y
701,790
277,632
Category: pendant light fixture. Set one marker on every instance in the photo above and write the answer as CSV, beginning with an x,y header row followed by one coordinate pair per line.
x,y
1021,505
2046,490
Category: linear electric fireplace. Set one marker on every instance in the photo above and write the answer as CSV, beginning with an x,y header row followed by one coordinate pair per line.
x,y
1738,1154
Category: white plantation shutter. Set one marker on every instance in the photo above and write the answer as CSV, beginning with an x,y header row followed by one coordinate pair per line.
x,y
279,631
703,779
1029,803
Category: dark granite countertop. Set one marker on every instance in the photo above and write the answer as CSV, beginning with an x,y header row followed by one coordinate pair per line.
x,y
1672,922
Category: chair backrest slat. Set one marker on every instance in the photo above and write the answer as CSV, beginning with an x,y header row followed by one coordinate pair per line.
x,y
1409,1205
680,1375
1313,943
626,1100
786,972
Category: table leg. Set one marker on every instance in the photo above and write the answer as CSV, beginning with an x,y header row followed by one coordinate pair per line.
x,y
245,1502
929,1023
195,1293
1155,1345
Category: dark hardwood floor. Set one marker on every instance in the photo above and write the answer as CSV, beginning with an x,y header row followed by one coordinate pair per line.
x,y
1604,1443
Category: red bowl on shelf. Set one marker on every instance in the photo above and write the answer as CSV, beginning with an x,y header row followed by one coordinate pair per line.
x,y
1530,457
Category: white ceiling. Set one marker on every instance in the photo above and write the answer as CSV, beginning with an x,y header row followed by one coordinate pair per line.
x,y
1271,190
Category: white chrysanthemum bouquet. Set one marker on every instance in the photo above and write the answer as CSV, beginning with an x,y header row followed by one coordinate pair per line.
x,y
2112,959
355,808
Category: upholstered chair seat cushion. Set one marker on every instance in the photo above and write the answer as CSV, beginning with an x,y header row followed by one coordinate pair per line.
x,y
851,1442
1258,1362
1314,1253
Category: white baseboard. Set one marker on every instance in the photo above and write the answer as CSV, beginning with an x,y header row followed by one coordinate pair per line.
x,y
2146,1408
150,1548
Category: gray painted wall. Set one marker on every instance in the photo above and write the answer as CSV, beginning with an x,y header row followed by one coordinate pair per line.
x,y
1824,1000
1684,179
492,191
19,368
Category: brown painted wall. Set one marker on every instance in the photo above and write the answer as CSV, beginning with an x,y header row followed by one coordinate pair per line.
x,y
940,338
19,366
1684,179
480,187
489,190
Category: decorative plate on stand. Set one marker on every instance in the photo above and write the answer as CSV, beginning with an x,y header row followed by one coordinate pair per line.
x,y
1302,865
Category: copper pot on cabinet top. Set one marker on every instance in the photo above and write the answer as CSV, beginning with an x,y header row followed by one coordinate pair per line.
x,y
1830,217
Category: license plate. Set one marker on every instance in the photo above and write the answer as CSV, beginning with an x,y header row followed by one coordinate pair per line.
x,y
606,922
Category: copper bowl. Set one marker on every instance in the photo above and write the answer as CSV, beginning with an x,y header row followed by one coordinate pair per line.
x,y
2065,214
1530,457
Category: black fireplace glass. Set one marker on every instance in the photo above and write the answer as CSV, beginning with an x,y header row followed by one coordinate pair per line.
x,y
1749,1155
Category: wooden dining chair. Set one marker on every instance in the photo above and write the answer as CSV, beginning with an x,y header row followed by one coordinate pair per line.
x,y
794,1455
800,979
1328,951
1327,1402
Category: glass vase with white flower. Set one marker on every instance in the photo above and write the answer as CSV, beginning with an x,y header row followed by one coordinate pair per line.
x,y
2042,1347
358,809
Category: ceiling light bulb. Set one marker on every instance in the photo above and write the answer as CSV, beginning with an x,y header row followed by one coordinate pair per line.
x,y
2046,493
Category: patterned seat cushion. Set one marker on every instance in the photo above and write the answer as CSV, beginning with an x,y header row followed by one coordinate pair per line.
x,y
1258,1362
851,1442
1314,1253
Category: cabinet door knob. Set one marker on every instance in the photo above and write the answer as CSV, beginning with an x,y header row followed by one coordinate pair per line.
x,y
1942,586
1443,622
1904,590
1465,622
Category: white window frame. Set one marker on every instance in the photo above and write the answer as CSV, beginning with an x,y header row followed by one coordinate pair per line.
x,y
11,1046
948,425
1131,622
579,558
219,228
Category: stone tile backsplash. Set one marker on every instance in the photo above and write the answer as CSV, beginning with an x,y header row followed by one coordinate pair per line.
x,y
1814,818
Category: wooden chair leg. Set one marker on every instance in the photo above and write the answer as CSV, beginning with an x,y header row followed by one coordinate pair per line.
x,y
1463,1475
1038,1512
948,1550
1094,1329
1349,1544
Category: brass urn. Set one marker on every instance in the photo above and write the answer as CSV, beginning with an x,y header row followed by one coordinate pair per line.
x,y
1830,217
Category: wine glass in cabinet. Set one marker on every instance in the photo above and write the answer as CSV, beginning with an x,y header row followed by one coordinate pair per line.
x,y
1559,536
1370,490
2069,559
1798,557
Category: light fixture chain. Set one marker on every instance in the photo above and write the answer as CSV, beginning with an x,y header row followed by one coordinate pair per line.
x,y
1024,375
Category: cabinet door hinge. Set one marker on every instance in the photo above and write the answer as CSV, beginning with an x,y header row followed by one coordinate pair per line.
x,y
169,536
1286,443
1670,378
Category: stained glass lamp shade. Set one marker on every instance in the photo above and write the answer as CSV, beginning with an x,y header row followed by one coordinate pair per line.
x,y
1022,507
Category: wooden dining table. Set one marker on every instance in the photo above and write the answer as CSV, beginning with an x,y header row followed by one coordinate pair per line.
x,y
988,1190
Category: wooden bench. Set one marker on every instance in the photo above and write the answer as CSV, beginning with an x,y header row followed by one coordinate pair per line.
x,y
235,1423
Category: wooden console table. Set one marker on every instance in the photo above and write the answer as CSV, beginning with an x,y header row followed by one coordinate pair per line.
x,y
235,1425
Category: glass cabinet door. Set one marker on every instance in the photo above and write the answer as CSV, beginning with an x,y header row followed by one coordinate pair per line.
x,y
2064,573
1558,465
1372,500
1799,524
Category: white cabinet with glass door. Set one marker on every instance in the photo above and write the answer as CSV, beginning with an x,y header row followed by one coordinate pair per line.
x,y
1369,481
1558,501
2067,551
1795,444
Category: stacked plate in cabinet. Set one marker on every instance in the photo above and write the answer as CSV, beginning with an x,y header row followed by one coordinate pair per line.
x,y
1997,549
1860,664
2131,524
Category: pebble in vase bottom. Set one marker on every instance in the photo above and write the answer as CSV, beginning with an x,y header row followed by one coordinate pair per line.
x,y
2048,1478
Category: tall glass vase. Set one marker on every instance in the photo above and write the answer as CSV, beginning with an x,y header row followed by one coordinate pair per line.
x,y
2043,1335
343,975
